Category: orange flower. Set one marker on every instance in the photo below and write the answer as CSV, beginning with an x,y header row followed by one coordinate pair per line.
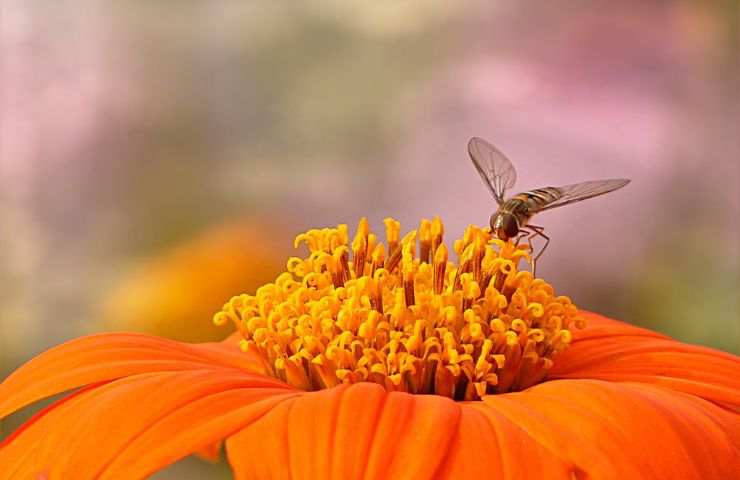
x,y
173,294
320,387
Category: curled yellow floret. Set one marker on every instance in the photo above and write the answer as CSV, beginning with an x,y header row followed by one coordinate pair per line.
x,y
404,316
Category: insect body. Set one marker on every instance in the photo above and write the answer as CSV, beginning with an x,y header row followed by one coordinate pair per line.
x,y
514,214
511,220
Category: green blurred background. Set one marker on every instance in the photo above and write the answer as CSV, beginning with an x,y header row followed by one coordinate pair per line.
x,y
157,157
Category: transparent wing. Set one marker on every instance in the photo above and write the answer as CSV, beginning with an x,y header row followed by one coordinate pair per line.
x,y
495,169
581,191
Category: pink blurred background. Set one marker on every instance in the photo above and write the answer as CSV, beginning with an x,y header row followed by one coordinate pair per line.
x,y
131,131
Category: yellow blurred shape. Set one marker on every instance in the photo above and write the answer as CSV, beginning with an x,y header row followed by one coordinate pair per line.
x,y
175,294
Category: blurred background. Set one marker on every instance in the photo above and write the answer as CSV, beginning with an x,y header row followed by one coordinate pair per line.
x,y
157,159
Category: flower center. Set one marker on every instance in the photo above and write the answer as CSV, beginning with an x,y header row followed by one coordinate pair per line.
x,y
409,321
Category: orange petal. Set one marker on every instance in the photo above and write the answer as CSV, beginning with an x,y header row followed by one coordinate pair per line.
x,y
100,358
489,445
614,351
609,430
131,427
210,453
600,326
557,430
348,432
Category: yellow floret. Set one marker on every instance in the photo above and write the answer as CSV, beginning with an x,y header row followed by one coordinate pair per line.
x,y
410,322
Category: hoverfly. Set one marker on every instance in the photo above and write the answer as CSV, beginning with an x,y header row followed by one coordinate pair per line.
x,y
511,220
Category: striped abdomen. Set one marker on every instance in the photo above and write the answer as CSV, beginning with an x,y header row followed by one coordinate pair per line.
x,y
526,204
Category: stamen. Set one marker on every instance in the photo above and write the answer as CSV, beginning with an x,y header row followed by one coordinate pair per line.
x,y
360,247
418,324
392,261
408,276
425,240
438,231
440,265
392,232
378,258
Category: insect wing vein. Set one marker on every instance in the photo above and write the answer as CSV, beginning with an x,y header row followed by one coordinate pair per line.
x,y
497,171
584,190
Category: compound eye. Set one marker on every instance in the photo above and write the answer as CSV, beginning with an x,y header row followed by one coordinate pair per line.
x,y
492,221
511,226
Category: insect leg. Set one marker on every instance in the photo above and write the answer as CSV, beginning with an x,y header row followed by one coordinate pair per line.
x,y
527,235
521,236
539,232
535,231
